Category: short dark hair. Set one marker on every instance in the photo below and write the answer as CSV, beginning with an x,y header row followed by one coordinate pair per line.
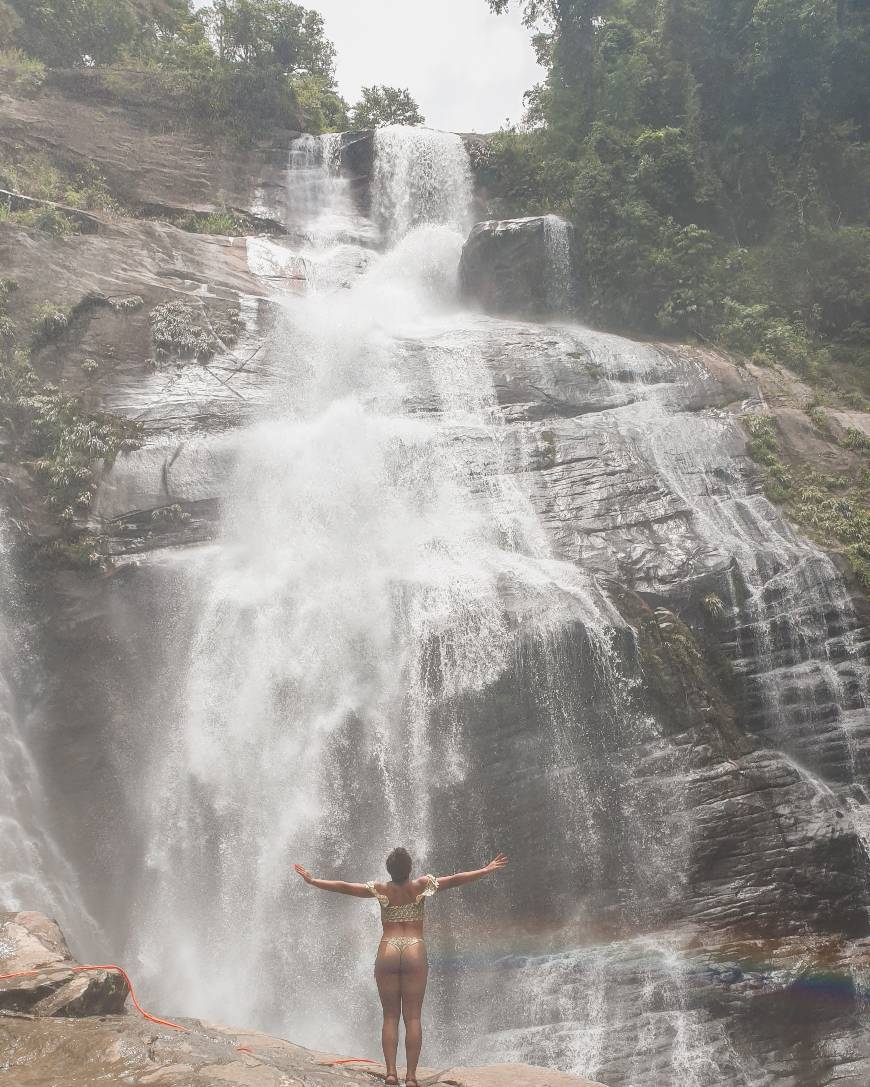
x,y
399,864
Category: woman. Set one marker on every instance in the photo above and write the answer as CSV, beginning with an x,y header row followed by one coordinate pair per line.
x,y
401,966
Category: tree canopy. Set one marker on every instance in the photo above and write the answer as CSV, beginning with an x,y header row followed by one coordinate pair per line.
x,y
234,66
71,33
715,159
274,33
381,105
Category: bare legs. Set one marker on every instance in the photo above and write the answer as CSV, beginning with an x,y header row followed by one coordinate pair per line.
x,y
388,975
415,971
401,978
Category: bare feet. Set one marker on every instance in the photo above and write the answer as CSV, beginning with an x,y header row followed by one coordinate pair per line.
x,y
391,1080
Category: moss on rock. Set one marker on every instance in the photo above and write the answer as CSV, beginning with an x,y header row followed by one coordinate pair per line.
x,y
60,442
833,509
686,676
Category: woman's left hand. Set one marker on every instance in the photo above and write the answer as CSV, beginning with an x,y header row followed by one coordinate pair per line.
x,y
306,875
498,862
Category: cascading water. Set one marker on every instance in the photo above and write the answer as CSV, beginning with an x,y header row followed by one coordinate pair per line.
x,y
421,177
380,569
400,636
559,288
34,874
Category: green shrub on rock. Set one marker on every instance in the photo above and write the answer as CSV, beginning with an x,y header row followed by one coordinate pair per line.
x,y
175,329
58,436
48,323
20,72
835,510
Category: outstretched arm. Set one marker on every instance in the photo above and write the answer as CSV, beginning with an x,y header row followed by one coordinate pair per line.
x,y
358,890
445,882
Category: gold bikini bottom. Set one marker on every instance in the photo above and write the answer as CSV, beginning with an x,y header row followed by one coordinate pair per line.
x,y
401,943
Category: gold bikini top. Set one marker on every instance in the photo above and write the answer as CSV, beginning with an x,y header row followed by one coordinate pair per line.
x,y
408,911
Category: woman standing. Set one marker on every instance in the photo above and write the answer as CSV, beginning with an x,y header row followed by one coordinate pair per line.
x,y
401,966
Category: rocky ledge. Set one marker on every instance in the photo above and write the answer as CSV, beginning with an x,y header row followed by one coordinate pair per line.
x,y
520,267
70,1029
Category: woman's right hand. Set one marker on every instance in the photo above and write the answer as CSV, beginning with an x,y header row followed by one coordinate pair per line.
x,y
306,875
497,862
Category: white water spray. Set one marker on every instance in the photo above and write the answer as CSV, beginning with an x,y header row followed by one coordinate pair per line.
x,y
34,875
420,177
372,525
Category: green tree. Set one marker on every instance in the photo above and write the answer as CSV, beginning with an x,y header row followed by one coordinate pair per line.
x,y
75,33
382,105
715,160
322,106
272,34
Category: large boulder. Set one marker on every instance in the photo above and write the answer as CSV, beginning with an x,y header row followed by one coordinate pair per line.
x,y
32,942
520,267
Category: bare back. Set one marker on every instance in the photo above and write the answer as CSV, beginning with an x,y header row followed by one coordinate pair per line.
x,y
403,894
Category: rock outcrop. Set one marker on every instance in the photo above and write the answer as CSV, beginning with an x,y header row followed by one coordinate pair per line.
x,y
151,171
31,942
95,1043
520,267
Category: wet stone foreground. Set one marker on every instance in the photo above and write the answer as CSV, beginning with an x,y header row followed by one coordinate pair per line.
x,y
69,1029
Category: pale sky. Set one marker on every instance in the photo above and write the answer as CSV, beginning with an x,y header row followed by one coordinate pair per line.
x,y
467,68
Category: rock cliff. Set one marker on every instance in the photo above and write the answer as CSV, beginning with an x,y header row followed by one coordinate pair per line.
x,y
665,674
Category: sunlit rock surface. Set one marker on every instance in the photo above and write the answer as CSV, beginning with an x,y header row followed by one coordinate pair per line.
x,y
32,942
116,1049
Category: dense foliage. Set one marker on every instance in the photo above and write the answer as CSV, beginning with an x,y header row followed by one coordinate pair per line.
x,y
715,160
236,66
70,33
380,106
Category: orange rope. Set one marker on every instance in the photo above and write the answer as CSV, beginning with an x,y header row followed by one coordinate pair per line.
x,y
110,966
153,1018
348,1060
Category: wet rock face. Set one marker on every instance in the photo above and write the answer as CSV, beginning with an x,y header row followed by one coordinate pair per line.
x,y
30,941
520,267
358,164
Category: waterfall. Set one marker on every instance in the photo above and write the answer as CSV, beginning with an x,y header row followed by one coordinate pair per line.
x,y
34,875
401,635
420,177
378,571
794,628
560,281
320,204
